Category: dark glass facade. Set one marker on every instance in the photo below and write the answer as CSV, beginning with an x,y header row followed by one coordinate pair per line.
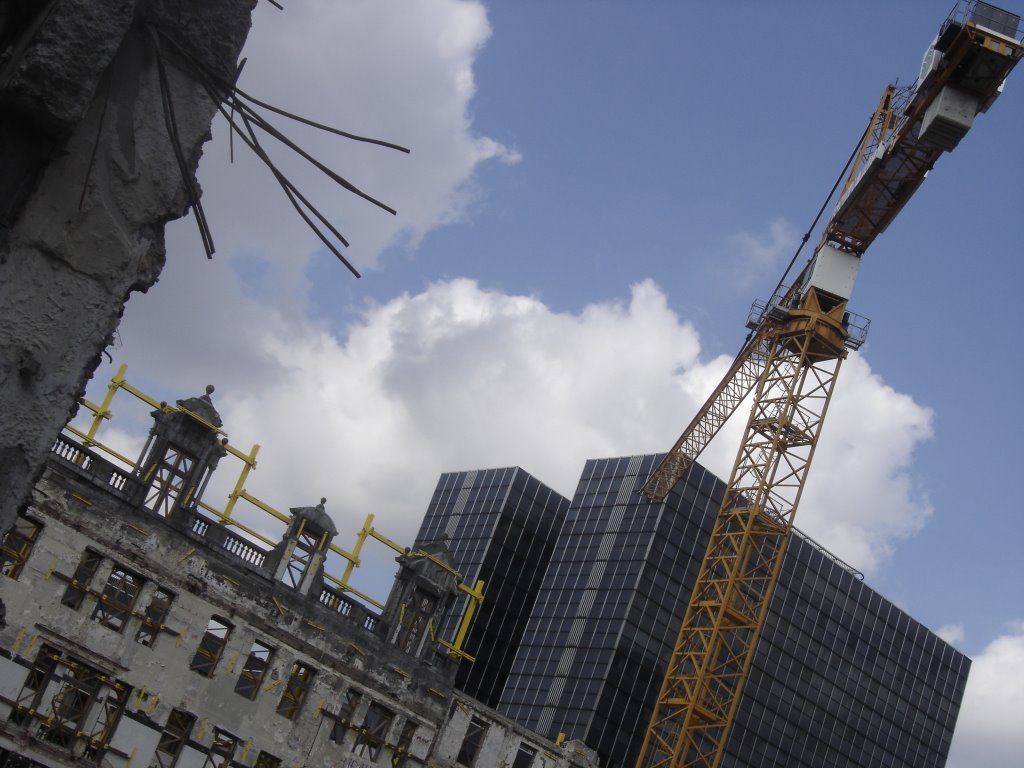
x,y
594,651
841,677
501,526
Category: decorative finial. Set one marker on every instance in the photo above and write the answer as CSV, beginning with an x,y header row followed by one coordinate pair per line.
x,y
209,389
323,500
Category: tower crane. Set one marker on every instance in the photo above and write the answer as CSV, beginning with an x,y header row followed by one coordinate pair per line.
x,y
789,363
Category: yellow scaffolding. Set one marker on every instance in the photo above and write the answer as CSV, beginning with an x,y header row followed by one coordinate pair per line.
x,y
102,412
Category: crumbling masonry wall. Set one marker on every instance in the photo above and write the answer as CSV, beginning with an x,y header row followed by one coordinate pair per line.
x,y
88,178
91,671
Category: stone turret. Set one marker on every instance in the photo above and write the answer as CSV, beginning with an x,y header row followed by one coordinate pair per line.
x,y
301,553
183,449
425,585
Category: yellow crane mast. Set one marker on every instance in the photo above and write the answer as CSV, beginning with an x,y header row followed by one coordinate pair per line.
x,y
790,362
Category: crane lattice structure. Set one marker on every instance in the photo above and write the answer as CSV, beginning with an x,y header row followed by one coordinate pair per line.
x,y
790,362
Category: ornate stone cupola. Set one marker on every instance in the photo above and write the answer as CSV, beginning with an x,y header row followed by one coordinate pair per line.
x,y
303,548
180,454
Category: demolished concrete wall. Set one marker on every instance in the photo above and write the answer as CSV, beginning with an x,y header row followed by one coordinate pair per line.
x,y
88,179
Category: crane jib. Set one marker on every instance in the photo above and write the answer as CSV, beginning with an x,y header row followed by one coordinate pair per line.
x,y
789,364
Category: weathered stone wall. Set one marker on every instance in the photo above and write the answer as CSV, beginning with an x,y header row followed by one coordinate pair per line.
x,y
78,509
88,178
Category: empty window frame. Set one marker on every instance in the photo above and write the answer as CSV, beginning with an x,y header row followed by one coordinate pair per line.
x,y
35,684
471,741
253,670
524,757
70,705
17,545
153,619
371,737
221,750
174,737
343,720
306,545
114,607
81,579
295,690
170,474
111,702
266,760
76,706
415,617
211,646
401,751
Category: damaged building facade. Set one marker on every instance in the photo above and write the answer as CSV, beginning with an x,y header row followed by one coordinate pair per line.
x,y
139,630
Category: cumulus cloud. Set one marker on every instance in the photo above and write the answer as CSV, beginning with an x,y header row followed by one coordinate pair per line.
x,y
861,496
748,259
459,377
410,83
990,715
954,634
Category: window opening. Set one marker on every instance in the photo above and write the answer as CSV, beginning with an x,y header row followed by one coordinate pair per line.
x,y
295,691
60,693
370,739
524,757
174,737
114,607
471,742
415,618
36,681
155,615
253,671
211,646
70,705
111,707
404,742
81,579
343,720
17,546
171,473
266,760
221,750
301,556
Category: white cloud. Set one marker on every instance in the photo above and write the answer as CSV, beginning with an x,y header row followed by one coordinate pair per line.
x,y
750,258
457,377
861,496
954,634
990,715
409,82
460,377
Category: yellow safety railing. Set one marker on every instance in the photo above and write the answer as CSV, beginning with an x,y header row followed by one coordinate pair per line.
x,y
102,412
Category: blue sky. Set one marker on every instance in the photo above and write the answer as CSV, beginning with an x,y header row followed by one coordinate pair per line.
x,y
595,194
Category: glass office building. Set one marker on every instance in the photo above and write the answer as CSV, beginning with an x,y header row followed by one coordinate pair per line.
x,y
593,654
501,526
841,677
